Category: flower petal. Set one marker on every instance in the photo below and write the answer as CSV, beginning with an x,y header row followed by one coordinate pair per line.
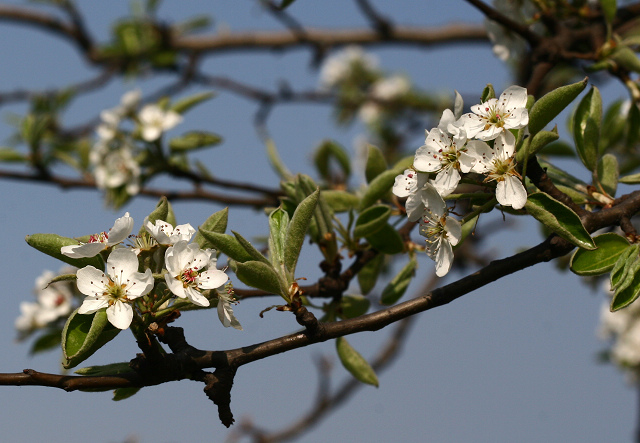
x,y
120,315
92,304
444,258
120,230
91,281
511,192
83,250
121,264
196,297
211,279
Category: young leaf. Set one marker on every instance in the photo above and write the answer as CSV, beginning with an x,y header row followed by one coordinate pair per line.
x,y
253,252
586,128
297,230
354,306
261,275
340,201
49,340
124,393
163,211
84,334
487,93
327,151
551,104
632,179
621,267
378,188
10,155
387,240
50,244
217,222
629,292
368,275
399,284
376,163
601,260
193,140
226,244
278,224
559,218
185,104
608,173
371,220
355,363
539,141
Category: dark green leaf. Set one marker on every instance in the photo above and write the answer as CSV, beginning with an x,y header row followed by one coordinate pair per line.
x,y
399,284
84,334
487,93
368,275
608,174
50,244
586,128
328,151
354,306
378,188
376,163
539,141
297,230
124,393
217,222
598,261
609,8
340,201
629,292
355,363
371,220
387,240
49,340
621,267
559,218
163,211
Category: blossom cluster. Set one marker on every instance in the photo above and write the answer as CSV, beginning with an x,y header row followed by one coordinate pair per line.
x,y
188,271
114,156
478,142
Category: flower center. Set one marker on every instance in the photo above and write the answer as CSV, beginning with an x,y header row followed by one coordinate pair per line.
x,y
102,237
115,292
188,277
502,168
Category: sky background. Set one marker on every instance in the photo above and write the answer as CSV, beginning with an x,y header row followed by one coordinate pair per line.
x,y
513,361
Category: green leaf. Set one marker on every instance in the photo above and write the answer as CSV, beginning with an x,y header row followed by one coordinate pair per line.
x,y
559,218
330,150
625,57
355,363
194,140
49,340
368,275
110,369
551,104
633,125
226,244
539,141
487,93
261,275
124,393
376,163
354,306
627,293
253,252
378,188
163,211
609,8
632,179
621,267
586,128
50,244
278,224
276,161
297,230
217,222
371,220
608,173
10,155
185,104
598,261
387,240
84,334
340,201
399,284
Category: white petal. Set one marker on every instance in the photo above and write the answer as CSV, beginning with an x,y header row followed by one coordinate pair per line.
x,y
120,315
182,232
151,133
511,192
447,181
175,286
225,314
483,154
405,184
414,207
170,120
433,201
91,281
454,230
446,119
458,105
512,98
121,264
82,251
467,162
472,124
505,145
211,279
92,304
196,297
444,258
120,230
139,284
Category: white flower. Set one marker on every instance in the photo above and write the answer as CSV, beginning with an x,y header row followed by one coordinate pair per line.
x,y
116,289
154,121
26,321
493,117
499,165
339,66
186,276
390,88
99,242
225,310
166,234
115,167
411,184
370,113
441,230
111,118
447,156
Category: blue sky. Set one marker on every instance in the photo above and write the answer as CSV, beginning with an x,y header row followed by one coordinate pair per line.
x,y
514,361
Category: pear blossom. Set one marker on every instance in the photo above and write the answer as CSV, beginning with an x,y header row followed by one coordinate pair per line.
x,y
386,90
116,289
411,184
447,156
115,167
154,121
225,309
101,241
495,116
339,66
500,166
166,234
442,231
186,276
108,128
